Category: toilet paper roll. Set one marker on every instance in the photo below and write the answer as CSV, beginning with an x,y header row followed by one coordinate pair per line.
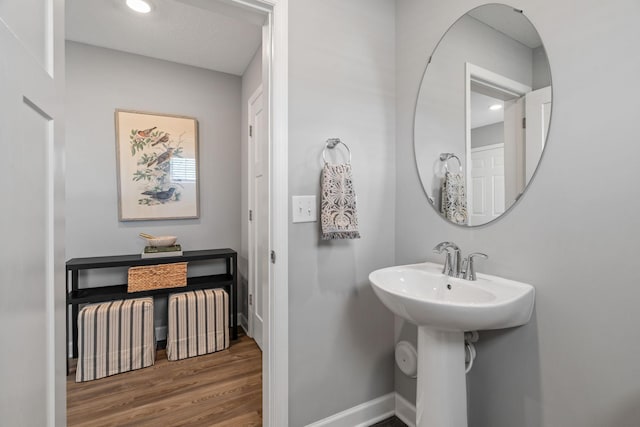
x,y
407,358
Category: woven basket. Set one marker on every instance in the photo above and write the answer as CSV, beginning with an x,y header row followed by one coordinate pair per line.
x,y
162,276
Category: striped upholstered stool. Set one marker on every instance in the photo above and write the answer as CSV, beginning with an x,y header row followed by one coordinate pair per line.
x,y
115,337
198,323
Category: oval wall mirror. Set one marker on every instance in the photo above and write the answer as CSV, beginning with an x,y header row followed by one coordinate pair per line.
x,y
482,114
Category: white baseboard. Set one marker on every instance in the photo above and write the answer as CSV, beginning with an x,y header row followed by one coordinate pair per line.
x,y
243,322
405,411
363,415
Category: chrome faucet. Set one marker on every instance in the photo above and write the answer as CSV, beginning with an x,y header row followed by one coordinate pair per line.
x,y
469,272
452,265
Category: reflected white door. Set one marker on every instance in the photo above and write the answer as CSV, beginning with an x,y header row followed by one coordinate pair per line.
x,y
538,113
259,218
32,353
487,181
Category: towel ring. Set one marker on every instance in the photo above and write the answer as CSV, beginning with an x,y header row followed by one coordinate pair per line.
x,y
444,157
331,144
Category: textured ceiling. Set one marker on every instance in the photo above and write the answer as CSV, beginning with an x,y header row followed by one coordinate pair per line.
x,y
204,33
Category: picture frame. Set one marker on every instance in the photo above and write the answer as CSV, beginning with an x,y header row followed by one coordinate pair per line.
x,y
157,166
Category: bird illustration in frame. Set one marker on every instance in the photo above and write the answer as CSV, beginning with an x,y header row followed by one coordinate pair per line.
x,y
157,166
162,157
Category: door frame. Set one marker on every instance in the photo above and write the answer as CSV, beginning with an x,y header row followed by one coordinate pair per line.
x,y
251,288
275,356
275,360
482,76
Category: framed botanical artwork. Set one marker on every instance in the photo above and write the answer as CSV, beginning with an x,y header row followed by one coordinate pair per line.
x,y
157,159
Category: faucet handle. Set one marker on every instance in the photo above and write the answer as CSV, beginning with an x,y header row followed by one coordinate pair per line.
x,y
470,272
478,254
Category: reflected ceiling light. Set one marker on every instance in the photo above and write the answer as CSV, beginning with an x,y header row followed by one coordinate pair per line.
x,y
140,6
495,107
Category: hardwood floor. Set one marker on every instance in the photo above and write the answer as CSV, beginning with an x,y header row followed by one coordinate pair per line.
x,y
219,389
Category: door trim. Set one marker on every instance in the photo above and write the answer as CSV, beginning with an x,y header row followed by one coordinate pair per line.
x,y
275,360
251,286
474,73
277,330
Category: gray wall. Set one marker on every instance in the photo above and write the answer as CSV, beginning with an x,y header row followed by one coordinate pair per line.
x,y
341,84
251,80
575,363
541,72
101,80
487,135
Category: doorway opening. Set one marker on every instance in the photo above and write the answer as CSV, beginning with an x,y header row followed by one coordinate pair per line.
x,y
494,143
506,129
163,100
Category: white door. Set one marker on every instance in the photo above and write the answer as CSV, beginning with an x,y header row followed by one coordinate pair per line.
x,y
32,307
538,113
487,181
259,216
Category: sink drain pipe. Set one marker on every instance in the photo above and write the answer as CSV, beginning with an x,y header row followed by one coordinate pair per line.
x,y
469,349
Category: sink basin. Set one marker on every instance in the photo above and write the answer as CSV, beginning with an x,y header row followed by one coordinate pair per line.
x,y
444,308
421,294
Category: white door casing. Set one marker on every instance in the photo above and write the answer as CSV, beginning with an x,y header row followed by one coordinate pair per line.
x,y
259,218
487,181
505,89
275,356
538,113
275,360
32,291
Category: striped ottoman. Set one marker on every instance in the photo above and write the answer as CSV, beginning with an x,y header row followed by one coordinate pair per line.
x,y
115,337
198,323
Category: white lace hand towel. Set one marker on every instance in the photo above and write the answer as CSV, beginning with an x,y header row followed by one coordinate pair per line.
x,y
338,212
454,199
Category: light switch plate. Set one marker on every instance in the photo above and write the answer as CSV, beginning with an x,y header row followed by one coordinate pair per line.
x,y
304,209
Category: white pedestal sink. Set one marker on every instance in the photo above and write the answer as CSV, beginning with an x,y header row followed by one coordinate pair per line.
x,y
444,308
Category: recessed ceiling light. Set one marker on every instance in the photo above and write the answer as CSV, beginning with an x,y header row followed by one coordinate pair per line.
x,y
140,6
495,107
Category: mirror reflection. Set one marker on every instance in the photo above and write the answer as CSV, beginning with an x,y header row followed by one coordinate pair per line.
x,y
482,114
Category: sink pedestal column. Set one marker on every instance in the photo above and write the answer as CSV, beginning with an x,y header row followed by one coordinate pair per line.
x,y
442,386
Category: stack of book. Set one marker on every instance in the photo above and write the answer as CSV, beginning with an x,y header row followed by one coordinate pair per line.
x,y
161,251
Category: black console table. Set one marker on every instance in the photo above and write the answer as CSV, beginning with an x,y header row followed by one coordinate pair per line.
x,y
77,295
